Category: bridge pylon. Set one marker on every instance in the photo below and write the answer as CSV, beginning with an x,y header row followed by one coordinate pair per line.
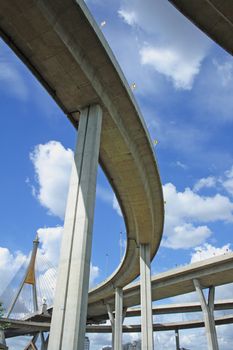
x,y
29,278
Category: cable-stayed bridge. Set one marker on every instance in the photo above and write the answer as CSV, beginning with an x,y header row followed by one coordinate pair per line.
x,y
64,48
28,299
32,286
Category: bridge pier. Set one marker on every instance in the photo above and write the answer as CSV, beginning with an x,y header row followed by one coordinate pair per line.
x,y
146,301
118,319
70,306
112,321
177,339
208,312
2,340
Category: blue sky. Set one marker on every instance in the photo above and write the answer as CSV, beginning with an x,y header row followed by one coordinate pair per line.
x,y
184,90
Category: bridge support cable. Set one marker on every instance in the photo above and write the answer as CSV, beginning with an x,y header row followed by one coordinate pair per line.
x,y
71,295
146,300
208,313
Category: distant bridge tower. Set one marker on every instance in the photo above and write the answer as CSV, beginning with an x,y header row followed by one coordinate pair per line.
x,y
29,278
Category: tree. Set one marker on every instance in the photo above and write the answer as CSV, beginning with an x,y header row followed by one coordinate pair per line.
x,y
5,324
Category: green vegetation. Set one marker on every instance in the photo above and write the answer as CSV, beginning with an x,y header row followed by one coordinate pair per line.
x,y
5,324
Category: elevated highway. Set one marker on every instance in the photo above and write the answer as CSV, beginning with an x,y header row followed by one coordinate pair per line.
x,y
66,51
215,271
211,272
63,47
19,327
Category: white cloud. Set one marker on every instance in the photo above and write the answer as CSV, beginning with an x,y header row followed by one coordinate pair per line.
x,y
225,182
13,266
10,263
184,210
208,182
187,236
52,164
50,238
169,62
190,205
225,71
116,206
94,273
174,46
207,251
108,197
228,181
181,165
11,80
130,17
104,194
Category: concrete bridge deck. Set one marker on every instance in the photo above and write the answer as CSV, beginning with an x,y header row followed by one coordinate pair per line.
x,y
19,328
63,47
211,272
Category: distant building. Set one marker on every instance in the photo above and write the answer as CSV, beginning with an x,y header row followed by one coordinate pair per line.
x,y
107,348
87,344
135,345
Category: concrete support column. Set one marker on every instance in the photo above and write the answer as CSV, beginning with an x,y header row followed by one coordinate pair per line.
x,y
208,313
118,319
70,306
177,339
2,340
44,342
112,321
146,301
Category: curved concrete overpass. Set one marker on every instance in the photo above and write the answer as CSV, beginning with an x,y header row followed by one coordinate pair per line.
x,y
62,46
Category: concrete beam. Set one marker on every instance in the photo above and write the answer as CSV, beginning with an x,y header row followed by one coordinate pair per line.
x,y
76,74
70,308
146,301
208,313
19,328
